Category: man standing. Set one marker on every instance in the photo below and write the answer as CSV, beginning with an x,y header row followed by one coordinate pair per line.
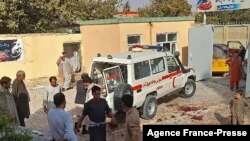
x,y
235,65
88,84
50,91
80,99
7,102
58,62
66,71
60,122
21,96
133,132
96,109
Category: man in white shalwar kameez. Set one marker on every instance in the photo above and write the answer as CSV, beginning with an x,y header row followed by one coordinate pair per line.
x,y
50,91
67,72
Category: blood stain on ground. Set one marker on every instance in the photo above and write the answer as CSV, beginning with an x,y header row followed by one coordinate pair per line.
x,y
187,108
159,120
195,117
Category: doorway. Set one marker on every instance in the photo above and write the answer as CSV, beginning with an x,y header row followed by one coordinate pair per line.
x,y
73,52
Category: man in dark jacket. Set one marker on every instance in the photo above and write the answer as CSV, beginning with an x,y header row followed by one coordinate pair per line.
x,y
21,96
96,109
80,99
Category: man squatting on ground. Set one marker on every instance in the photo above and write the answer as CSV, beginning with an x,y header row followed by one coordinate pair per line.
x,y
96,109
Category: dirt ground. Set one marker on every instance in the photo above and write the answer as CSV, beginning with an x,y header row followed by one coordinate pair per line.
x,y
209,105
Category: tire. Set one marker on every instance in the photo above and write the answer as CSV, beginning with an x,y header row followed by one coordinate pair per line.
x,y
189,89
149,108
119,91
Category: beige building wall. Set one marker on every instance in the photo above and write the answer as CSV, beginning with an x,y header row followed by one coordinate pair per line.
x,y
149,37
42,50
225,33
126,29
102,39
181,28
111,38
40,54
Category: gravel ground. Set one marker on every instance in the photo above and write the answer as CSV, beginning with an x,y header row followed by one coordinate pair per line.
x,y
209,105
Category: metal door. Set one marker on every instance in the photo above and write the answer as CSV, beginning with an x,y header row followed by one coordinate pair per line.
x,y
200,51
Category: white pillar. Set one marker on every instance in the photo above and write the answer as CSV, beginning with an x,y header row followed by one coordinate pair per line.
x,y
204,18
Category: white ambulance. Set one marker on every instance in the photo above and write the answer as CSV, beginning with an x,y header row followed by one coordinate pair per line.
x,y
147,72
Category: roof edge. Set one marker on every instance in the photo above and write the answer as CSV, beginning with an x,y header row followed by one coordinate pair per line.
x,y
135,20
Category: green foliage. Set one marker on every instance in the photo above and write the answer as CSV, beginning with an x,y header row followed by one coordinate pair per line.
x,y
226,17
34,16
22,16
12,133
166,8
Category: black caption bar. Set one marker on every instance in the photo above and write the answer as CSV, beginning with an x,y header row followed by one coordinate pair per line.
x,y
162,132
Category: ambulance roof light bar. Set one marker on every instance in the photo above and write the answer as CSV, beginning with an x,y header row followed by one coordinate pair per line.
x,y
158,48
140,47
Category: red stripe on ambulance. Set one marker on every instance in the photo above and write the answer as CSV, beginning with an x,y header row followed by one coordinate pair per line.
x,y
171,75
137,87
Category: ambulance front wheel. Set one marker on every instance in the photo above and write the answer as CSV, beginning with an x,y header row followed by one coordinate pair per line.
x,y
149,107
189,89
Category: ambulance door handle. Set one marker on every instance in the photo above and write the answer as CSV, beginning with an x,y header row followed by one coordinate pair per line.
x,y
139,90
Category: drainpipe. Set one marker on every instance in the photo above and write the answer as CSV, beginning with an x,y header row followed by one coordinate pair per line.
x,y
150,32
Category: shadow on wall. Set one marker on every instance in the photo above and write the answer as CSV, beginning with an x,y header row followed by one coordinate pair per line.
x,y
184,52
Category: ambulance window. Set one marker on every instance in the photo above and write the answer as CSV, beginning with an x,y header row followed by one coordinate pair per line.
x,y
172,66
157,65
124,71
141,69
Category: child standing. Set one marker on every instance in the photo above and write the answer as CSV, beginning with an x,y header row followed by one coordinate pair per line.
x,y
238,108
